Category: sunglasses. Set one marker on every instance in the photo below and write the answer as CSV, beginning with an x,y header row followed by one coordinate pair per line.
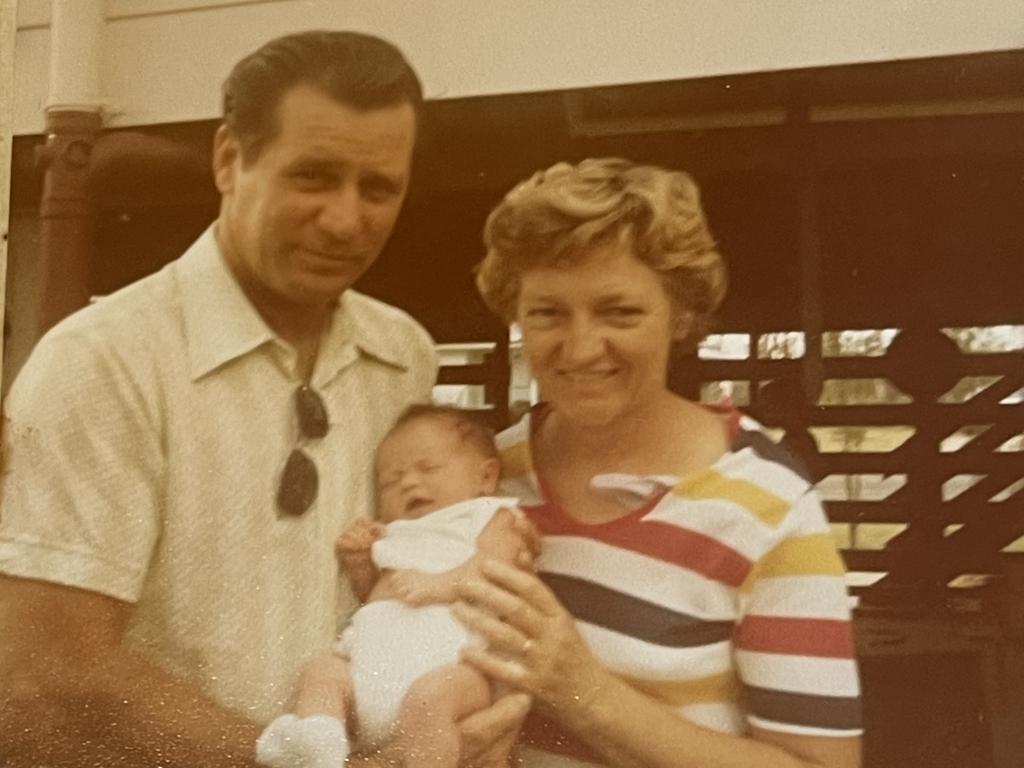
x,y
300,480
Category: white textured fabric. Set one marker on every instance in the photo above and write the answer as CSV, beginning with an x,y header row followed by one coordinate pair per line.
x,y
391,645
145,441
317,741
440,541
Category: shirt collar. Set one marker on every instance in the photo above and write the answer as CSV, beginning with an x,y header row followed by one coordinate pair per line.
x,y
221,324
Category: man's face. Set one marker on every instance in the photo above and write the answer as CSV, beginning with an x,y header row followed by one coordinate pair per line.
x,y
308,216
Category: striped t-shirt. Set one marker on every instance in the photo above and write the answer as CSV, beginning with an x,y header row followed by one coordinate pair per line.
x,y
722,596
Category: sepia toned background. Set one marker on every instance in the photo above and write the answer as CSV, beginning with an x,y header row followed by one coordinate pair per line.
x,y
862,164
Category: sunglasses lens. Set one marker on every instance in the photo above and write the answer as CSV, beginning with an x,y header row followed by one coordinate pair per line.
x,y
299,484
312,412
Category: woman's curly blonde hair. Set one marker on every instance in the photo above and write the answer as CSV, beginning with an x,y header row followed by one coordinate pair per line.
x,y
561,214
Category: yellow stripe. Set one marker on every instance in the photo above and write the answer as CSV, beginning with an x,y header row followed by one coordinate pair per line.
x,y
766,506
811,555
722,687
516,461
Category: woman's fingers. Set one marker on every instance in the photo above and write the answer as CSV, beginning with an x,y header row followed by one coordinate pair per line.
x,y
499,635
488,735
523,584
496,667
502,607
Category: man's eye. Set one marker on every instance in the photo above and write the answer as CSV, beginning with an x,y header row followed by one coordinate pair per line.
x,y
542,312
379,190
311,176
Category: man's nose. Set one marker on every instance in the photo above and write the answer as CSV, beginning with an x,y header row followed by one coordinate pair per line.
x,y
341,214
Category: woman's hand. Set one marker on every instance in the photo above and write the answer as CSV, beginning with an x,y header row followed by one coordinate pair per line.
x,y
532,641
488,735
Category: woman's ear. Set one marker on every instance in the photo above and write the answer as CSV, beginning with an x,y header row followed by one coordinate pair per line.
x,y
226,154
490,470
682,324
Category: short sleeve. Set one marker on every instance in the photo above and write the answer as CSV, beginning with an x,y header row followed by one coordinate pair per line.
x,y
82,470
794,641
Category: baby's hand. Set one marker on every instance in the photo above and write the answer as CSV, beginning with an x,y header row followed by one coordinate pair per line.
x,y
356,540
417,588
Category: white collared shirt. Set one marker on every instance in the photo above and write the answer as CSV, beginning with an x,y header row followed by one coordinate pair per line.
x,y
145,442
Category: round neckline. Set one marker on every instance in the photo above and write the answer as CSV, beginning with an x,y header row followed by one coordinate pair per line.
x,y
551,503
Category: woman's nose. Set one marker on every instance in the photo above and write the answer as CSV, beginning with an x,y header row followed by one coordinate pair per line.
x,y
583,342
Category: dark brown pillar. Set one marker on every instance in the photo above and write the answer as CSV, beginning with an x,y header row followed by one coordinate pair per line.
x,y
66,214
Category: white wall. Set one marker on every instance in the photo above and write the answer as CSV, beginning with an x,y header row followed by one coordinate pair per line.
x,y
7,35
164,59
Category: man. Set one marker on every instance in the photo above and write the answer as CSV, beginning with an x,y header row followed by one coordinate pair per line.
x,y
180,456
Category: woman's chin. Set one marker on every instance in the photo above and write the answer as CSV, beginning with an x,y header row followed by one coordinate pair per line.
x,y
582,415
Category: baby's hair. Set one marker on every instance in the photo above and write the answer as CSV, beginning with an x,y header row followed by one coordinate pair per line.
x,y
470,428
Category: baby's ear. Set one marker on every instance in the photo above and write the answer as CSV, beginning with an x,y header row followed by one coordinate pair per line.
x,y
490,469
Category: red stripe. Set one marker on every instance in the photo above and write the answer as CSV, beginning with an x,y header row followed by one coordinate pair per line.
x,y
654,538
829,638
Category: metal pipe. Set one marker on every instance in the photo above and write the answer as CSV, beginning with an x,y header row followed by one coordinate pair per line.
x,y
74,116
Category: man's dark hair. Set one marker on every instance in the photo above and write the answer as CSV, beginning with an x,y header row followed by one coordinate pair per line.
x,y
360,71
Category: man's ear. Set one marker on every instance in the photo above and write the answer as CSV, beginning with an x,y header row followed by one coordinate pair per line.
x,y
490,470
227,154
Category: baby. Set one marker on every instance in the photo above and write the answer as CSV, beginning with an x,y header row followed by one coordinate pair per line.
x,y
397,678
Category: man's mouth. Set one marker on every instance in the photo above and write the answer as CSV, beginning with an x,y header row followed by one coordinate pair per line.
x,y
332,258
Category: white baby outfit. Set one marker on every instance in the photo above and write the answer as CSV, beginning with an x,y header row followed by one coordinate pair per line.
x,y
390,644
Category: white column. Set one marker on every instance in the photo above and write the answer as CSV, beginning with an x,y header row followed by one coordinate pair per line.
x,y
76,47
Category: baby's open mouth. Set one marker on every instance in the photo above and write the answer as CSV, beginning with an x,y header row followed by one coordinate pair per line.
x,y
417,504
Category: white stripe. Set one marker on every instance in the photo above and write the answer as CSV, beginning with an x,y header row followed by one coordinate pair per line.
x,y
798,674
771,476
804,730
730,523
636,658
817,597
807,516
646,578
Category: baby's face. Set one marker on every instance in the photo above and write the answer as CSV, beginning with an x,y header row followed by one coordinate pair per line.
x,y
426,465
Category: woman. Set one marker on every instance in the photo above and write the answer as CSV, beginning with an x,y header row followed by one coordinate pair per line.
x,y
689,608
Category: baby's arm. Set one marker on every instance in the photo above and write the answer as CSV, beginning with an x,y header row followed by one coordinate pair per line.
x,y
353,548
503,538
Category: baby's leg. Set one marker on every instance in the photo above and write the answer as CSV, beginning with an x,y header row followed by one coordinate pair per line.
x,y
314,736
427,732
325,688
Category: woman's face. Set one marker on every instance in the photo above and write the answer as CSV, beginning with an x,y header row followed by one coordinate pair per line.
x,y
597,334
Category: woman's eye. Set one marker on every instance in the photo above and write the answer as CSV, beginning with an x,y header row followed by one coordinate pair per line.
x,y
624,313
542,312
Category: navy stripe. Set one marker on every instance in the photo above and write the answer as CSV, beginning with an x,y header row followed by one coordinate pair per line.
x,y
841,713
633,616
763,446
